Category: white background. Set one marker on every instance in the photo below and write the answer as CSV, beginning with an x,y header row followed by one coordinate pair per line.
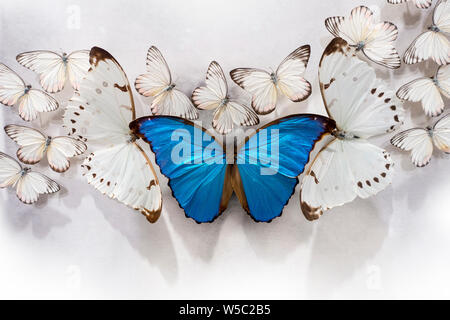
x,y
80,244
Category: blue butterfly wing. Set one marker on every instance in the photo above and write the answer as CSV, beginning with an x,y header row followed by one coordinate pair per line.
x,y
192,160
270,161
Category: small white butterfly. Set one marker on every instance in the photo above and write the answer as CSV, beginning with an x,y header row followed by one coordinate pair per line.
x,y
428,91
422,4
34,145
13,90
157,83
363,106
375,40
54,69
432,44
29,185
420,141
265,86
214,96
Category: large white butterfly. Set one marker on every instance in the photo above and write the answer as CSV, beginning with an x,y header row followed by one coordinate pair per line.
x,y
428,91
100,113
423,4
432,44
375,40
157,83
287,79
33,146
363,106
215,97
29,185
420,141
13,90
54,69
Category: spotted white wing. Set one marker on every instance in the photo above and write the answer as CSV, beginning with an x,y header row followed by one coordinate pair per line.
x,y
61,149
31,143
100,114
376,40
418,142
77,67
342,171
12,86
10,171
33,184
260,85
422,4
290,72
48,65
360,103
441,134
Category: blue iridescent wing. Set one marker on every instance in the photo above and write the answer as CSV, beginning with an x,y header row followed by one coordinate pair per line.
x,y
192,160
270,161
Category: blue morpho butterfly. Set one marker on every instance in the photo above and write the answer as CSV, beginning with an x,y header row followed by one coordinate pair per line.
x,y
263,172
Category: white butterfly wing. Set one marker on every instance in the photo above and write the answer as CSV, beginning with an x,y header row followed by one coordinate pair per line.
x,y
77,67
158,75
441,15
173,102
62,148
360,103
100,113
35,101
216,89
342,171
443,80
429,45
231,114
423,90
289,75
33,184
422,4
354,29
12,86
31,143
379,46
441,134
260,85
50,67
418,141
10,170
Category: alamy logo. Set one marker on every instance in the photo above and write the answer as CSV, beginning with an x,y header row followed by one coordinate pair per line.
x,y
260,149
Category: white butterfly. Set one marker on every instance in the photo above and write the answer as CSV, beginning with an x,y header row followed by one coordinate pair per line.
x,y
53,69
428,91
100,113
215,97
423,4
432,44
33,146
29,185
420,141
13,90
287,79
375,40
349,166
157,83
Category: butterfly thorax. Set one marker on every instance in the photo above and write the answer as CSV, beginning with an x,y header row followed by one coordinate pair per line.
x,y
430,131
274,78
360,45
434,28
64,58
170,87
343,135
27,88
224,101
132,138
24,171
